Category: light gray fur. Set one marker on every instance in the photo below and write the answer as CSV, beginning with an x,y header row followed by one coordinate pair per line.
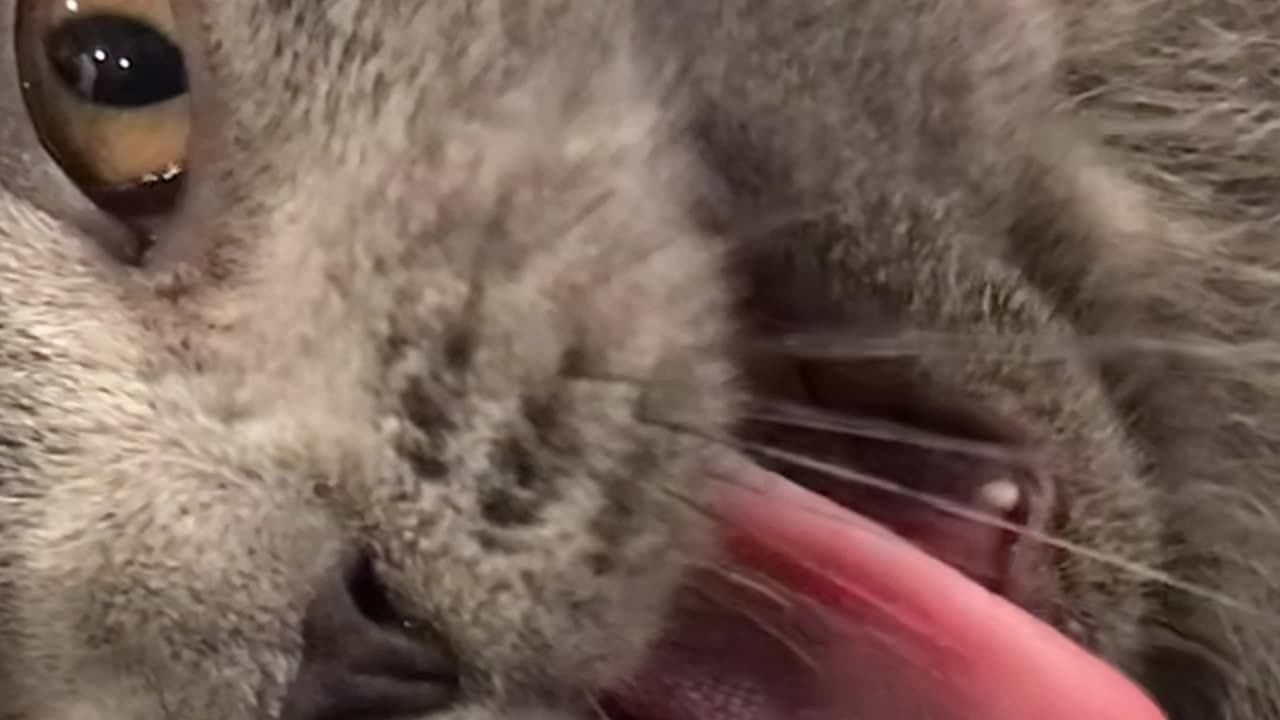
x,y
412,224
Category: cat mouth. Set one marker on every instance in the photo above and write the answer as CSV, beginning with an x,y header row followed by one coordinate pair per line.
x,y
829,615
881,571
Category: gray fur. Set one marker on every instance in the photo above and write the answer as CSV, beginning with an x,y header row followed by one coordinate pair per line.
x,y
421,237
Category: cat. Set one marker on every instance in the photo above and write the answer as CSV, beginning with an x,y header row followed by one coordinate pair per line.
x,y
373,359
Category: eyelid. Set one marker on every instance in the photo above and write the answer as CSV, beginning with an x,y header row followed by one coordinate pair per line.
x,y
158,13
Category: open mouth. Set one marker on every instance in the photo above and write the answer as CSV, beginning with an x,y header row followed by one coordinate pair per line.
x,y
824,613
871,628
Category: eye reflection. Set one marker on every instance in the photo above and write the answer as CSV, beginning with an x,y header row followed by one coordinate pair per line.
x,y
115,61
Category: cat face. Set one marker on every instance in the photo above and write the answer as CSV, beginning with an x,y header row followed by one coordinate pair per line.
x,y
479,501
399,362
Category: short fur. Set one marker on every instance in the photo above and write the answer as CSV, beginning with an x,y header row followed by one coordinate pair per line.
x,y
457,284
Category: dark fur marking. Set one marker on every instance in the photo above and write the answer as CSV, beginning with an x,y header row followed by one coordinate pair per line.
x,y
544,412
425,465
521,490
506,509
495,542
424,411
515,458
459,349
616,520
576,360
422,449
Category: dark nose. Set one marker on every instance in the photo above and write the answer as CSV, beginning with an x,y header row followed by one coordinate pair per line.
x,y
361,660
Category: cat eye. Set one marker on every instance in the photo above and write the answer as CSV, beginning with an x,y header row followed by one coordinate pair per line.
x,y
106,88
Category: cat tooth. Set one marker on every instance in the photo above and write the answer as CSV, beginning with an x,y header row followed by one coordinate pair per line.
x,y
1001,495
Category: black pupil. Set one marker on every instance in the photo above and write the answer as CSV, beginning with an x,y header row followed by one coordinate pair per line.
x,y
116,61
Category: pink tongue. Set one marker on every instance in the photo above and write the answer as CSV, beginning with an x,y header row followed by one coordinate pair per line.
x,y
902,636
972,655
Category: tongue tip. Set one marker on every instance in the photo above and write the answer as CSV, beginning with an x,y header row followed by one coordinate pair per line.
x,y
987,658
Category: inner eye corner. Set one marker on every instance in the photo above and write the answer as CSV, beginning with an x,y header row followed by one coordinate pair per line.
x,y
105,86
